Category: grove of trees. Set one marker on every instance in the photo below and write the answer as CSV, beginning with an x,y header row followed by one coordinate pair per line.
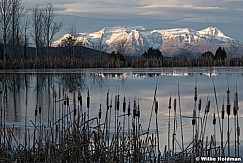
x,y
19,25
220,54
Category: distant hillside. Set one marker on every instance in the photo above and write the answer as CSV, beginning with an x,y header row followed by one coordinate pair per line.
x,y
133,41
78,52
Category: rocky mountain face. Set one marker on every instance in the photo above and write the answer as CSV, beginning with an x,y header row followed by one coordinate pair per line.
x,y
134,41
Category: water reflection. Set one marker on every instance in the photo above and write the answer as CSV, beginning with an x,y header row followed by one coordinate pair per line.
x,y
27,91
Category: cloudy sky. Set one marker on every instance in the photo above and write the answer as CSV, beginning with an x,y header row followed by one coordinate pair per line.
x,y
92,15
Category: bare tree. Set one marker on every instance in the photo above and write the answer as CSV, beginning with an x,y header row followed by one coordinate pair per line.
x,y
5,14
72,30
26,35
15,30
50,27
69,43
37,16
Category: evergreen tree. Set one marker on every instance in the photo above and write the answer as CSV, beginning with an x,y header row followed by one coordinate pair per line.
x,y
153,53
207,54
220,54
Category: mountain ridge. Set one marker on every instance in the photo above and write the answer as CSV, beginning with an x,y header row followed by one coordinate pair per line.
x,y
135,40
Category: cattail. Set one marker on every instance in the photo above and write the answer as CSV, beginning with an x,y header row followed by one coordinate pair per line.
x,y
208,106
107,100
156,107
74,103
39,110
175,105
100,112
129,110
200,105
75,112
117,103
195,97
124,105
67,101
214,119
134,109
88,100
228,102
235,109
80,98
194,117
222,112
238,131
36,111
169,103
236,101
138,111
236,106
79,95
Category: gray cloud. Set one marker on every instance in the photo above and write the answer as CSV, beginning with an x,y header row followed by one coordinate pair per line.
x,y
225,14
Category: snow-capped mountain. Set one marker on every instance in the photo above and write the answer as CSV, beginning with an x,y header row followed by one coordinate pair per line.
x,y
136,40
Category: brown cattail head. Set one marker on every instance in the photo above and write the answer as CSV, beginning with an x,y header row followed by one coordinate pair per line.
x,y
156,107
67,101
200,105
195,97
236,101
138,111
74,112
235,109
100,112
39,110
236,105
228,102
194,117
81,101
175,105
169,103
107,99
208,106
214,119
88,100
228,109
134,113
117,103
129,110
36,112
79,95
222,112
124,105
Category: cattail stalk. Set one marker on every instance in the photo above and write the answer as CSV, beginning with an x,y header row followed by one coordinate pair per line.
x,y
193,133
228,113
157,129
179,99
222,137
214,124
173,138
169,107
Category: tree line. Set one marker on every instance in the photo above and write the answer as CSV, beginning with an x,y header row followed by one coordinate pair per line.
x,y
20,25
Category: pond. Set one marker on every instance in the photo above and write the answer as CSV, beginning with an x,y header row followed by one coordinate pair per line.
x,y
29,90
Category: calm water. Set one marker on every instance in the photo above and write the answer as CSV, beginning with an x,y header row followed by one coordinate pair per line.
x,y
28,89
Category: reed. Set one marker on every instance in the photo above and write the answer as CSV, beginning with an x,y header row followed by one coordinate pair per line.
x,y
72,135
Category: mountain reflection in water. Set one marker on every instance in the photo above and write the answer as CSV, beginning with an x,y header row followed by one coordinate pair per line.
x,y
27,90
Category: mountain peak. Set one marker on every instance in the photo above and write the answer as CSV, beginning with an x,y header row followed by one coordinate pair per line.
x,y
134,40
214,31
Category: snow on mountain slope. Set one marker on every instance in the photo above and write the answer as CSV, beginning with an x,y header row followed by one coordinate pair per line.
x,y
136,40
